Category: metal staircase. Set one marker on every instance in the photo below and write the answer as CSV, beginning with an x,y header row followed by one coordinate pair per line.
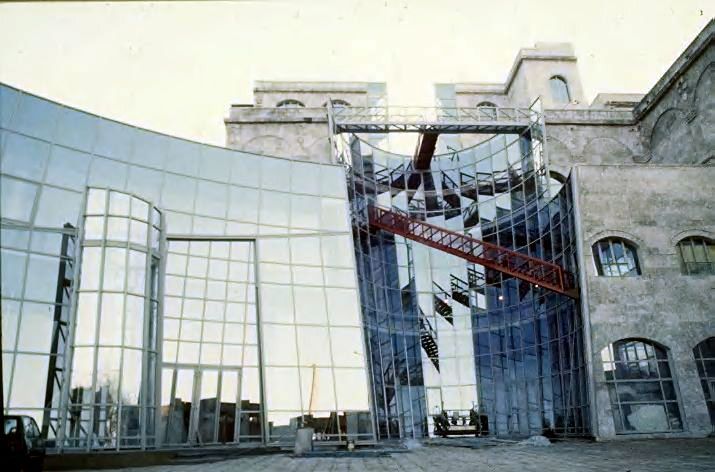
x,y
427,340
533,270
460,290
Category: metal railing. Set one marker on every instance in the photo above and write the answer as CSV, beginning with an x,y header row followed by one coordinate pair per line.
x,y
397,114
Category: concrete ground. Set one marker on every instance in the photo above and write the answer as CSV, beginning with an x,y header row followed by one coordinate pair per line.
x,y
682,455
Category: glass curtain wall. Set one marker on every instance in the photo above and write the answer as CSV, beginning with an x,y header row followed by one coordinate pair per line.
x,y
114,345
449,337
295,211
37,275
211,382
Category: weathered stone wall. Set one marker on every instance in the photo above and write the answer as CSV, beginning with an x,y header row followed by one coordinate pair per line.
x,y
653,207
571,144
677,117
299,133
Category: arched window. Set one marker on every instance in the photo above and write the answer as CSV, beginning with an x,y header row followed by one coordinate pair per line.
x,y
641,388
290,103
697,255
559,90
616,257
705,360
338,103
488,109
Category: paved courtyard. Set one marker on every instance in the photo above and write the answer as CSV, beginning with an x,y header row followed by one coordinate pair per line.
x,y
682,455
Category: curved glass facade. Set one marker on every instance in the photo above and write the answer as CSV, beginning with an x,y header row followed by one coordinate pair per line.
x,y
258,324
110,401
450,337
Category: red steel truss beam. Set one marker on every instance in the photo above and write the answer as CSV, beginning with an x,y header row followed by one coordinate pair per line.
x,y
531,269
425,150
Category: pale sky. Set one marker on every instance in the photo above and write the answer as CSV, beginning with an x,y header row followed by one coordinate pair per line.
x,y
175,67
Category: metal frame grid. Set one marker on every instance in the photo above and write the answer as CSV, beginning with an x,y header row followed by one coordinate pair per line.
x,y
631,365
97,414
33,245
203,191
523,218
223,261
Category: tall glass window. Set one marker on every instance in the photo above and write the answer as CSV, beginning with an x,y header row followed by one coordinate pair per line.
x,y
641,387
559,90
210,381
705,360
111,392
616,257
697,255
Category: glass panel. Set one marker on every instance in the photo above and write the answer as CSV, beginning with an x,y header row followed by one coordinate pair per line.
x,y
134,322
35,327
91,259
317,389
13,273
131,376
68,168
309,305
227,413
18,199
282,388
29,381
207,406
117,229
85,331
119,204
136,276
106,173
280,347
114,268
10,318
178,429
108,365
314,346
138,233
277,304
42,276
351,389
94,227
112,315
24,157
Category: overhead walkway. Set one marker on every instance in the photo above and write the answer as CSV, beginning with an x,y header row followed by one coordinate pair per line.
x,y
430,120
530,269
